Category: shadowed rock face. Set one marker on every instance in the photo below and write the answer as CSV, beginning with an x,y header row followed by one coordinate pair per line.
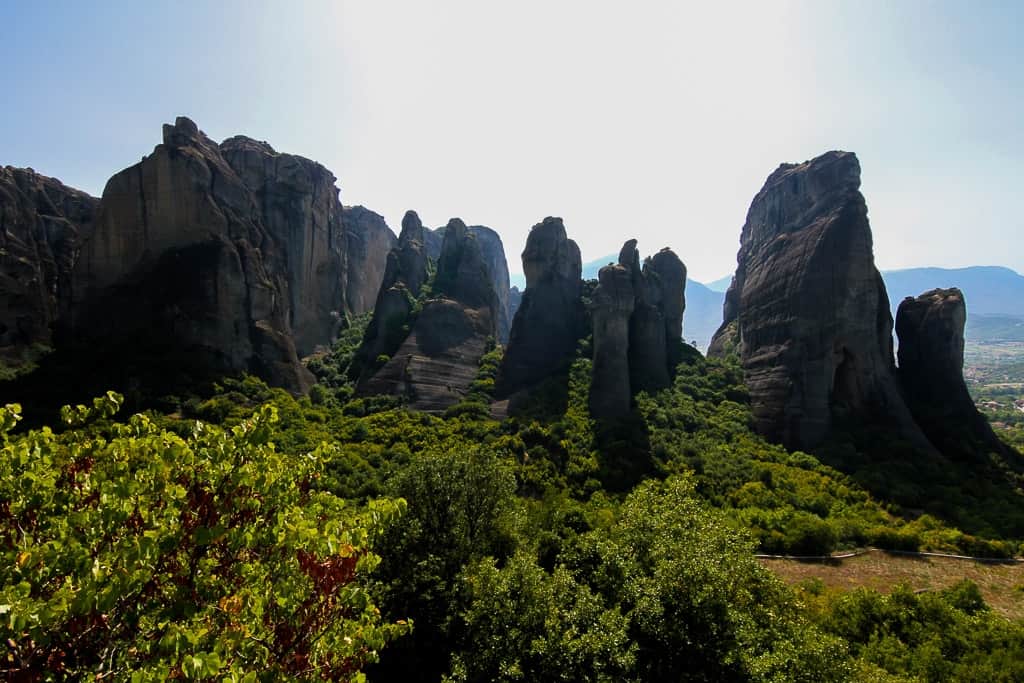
x,y
638,322
437,361
807,309
41,223
404,277
298,206
613,304
931,360
550,317
494,254
368,241
187,256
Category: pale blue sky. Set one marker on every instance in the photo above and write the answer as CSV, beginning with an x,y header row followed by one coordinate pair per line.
x,y
651,120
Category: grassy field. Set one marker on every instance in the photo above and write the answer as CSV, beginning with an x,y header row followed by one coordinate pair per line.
x,y
1001,584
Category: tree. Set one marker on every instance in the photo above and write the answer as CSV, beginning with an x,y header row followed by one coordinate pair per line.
x,y
132,552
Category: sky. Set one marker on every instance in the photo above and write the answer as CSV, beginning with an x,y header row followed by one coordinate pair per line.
x,y
650,120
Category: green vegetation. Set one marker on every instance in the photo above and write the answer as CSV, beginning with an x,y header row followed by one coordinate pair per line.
x,y
948,635
133,552
234,535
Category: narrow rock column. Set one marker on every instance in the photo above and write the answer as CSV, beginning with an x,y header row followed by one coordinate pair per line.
x,y
550,318
613,304
931,362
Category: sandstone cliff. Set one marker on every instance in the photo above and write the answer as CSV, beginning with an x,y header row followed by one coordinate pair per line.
x,y
549,320
41,224
368,241
807,309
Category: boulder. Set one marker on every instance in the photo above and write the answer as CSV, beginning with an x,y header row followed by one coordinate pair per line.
x,y
930,328
368,241
549,321
42,222
807,310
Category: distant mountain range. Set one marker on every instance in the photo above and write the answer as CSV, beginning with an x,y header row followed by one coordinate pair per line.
x,y
994,294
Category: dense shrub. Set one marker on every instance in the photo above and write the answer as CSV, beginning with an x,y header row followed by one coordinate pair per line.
x,y
133,552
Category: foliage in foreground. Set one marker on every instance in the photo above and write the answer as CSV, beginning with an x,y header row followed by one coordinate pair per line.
x,y
948,635
665,591
133,552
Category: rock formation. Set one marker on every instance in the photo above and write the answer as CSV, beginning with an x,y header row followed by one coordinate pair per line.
x,y
930,328
638,323
613,304
437,361
41,224
494,254
550,318
368,241
230,256
404,277
807,309
298,206
515,299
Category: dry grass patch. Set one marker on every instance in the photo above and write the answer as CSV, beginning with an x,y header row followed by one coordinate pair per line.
x,y
1002,584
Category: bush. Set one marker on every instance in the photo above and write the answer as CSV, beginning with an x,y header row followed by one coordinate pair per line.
x,y
129,551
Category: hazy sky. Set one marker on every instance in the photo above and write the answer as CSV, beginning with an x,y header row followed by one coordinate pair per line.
x,y
658,121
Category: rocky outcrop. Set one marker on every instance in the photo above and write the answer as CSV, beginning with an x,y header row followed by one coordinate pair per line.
x,y
494,254
613,304
638,321
550,318
298,205
41,224
404,277
930,328
807,310
438,360
368,241
198,256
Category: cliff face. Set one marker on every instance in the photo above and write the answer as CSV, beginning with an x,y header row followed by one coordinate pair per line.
x,y
438,358
549,319
638,322
931,360
226,258
404,277
42,222
368,241
232,256
807,309
298,208
493,252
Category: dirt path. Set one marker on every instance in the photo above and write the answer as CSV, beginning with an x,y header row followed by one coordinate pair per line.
x,y
1002,585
